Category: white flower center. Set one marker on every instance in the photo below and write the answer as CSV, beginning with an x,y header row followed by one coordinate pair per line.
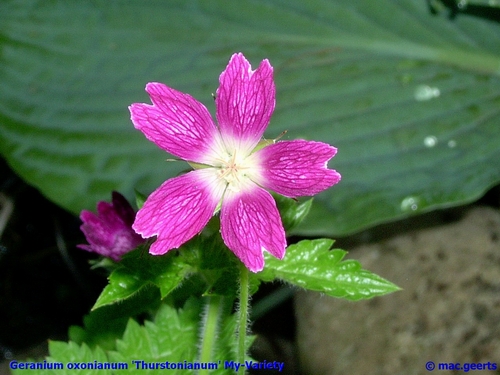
x,y
233,169
231,165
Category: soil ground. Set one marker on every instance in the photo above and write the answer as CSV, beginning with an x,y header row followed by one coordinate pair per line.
x,y
448,311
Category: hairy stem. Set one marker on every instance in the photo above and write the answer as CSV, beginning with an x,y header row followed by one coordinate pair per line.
x,y
209,329
243,313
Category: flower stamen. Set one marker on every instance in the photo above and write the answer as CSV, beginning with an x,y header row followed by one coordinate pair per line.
x,y
232,171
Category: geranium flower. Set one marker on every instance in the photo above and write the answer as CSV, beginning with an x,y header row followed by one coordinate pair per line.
x,y
110,233
232,170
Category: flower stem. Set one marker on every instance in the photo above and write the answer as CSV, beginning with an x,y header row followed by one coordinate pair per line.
x,y
243,313
208,334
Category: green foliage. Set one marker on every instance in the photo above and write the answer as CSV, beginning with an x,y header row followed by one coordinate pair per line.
x,y
313,266
462,5
139,270
170,289
140,198
410,98
203,265
102,326
292,211
171,337
67,355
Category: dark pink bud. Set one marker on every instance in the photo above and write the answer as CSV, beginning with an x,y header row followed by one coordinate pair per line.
x,y
110,233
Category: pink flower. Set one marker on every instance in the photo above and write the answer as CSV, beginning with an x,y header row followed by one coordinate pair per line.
x,y
110,232
233,172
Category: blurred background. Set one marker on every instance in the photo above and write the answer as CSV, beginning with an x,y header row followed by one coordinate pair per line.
x,y
407,90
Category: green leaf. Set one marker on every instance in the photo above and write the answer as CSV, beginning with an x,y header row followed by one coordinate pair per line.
x,y
292,211
216,265
104,325
139,270
409,98
71,352
171,337
313,266
463,5
140,198
72,358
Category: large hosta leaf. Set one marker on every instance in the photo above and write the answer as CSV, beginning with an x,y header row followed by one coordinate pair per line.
x,y
410,99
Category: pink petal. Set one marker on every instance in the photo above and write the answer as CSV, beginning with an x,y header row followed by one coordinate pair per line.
x,y
109,217
250,224
97,230
123,208
109,233
245,101
296,168
177,210
176,122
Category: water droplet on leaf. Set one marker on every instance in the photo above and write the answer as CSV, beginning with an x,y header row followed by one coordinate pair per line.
x,y
430,141
410,204
425,92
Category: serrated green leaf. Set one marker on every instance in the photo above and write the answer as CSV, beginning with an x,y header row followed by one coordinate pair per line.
x,y
170,340
172,337
139,270
122,285
104,325
409,98
203,266
90,361
313,266
71,358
